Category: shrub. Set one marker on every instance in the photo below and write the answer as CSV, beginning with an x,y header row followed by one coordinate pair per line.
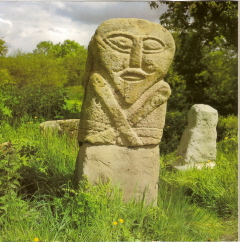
x,y
39,164
174,127
46,102
227,127
75,92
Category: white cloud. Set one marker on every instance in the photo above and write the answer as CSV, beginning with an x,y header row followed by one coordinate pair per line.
x,y
24,24
97,12
5,27
8,22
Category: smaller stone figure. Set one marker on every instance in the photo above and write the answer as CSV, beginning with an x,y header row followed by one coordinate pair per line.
x,y
198,142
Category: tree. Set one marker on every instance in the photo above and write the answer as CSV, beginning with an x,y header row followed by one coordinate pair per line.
x,y
44,47
35,69
68,47
71,54
74,63
32,84
211,18
35,83
197,28
221,76
3,48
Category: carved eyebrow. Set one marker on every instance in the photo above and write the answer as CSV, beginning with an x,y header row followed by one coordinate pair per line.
x,y
153,45
118,33
119,41
154,38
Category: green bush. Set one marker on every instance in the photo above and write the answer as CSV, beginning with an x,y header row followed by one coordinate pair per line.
x,y
47,103
172,132
75,92
227,127
41,102
29,165
9,170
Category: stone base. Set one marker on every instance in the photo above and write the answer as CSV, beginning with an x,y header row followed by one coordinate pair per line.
x,y
134,169
198,166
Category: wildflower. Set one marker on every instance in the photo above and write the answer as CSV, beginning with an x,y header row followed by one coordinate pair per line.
x,y
208,161
35,117
36,240
121,220
115,223
29,122
226,138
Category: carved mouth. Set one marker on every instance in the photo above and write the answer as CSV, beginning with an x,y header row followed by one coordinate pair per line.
x,y
133,76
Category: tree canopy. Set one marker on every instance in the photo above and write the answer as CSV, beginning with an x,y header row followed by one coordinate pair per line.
x,y
36,83
71,54
68,47
210,18
206,39
3,48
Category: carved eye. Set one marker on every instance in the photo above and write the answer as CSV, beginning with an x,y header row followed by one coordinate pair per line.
x,y
152,45
120,43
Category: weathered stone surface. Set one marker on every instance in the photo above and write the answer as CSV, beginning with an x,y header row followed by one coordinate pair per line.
x,y
134,169
125,98
124,107
68,126
198,142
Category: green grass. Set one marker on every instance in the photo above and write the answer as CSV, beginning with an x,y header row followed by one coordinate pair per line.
x,y
213,188
38,200
74,105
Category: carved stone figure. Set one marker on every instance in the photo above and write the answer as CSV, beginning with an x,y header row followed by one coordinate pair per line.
x,y
125,95
198,146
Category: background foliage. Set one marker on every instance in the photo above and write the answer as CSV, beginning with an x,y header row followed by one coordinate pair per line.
x,y
37,198
206,37
36,84
204,70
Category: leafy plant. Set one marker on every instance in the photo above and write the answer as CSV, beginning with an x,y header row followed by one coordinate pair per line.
x,y
9,170
174,126
3,48
227,127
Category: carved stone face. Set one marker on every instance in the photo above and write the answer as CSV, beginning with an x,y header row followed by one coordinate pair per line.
x,y
133,53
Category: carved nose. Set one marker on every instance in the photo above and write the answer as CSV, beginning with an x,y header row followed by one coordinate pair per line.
x,y
136,55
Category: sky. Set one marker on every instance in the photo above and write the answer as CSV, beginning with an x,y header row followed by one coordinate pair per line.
x,y
24,24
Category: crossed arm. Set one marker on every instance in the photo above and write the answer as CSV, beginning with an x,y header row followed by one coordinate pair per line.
x,y
122,122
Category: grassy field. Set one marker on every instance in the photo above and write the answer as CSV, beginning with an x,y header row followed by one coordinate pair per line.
x,y
38,202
